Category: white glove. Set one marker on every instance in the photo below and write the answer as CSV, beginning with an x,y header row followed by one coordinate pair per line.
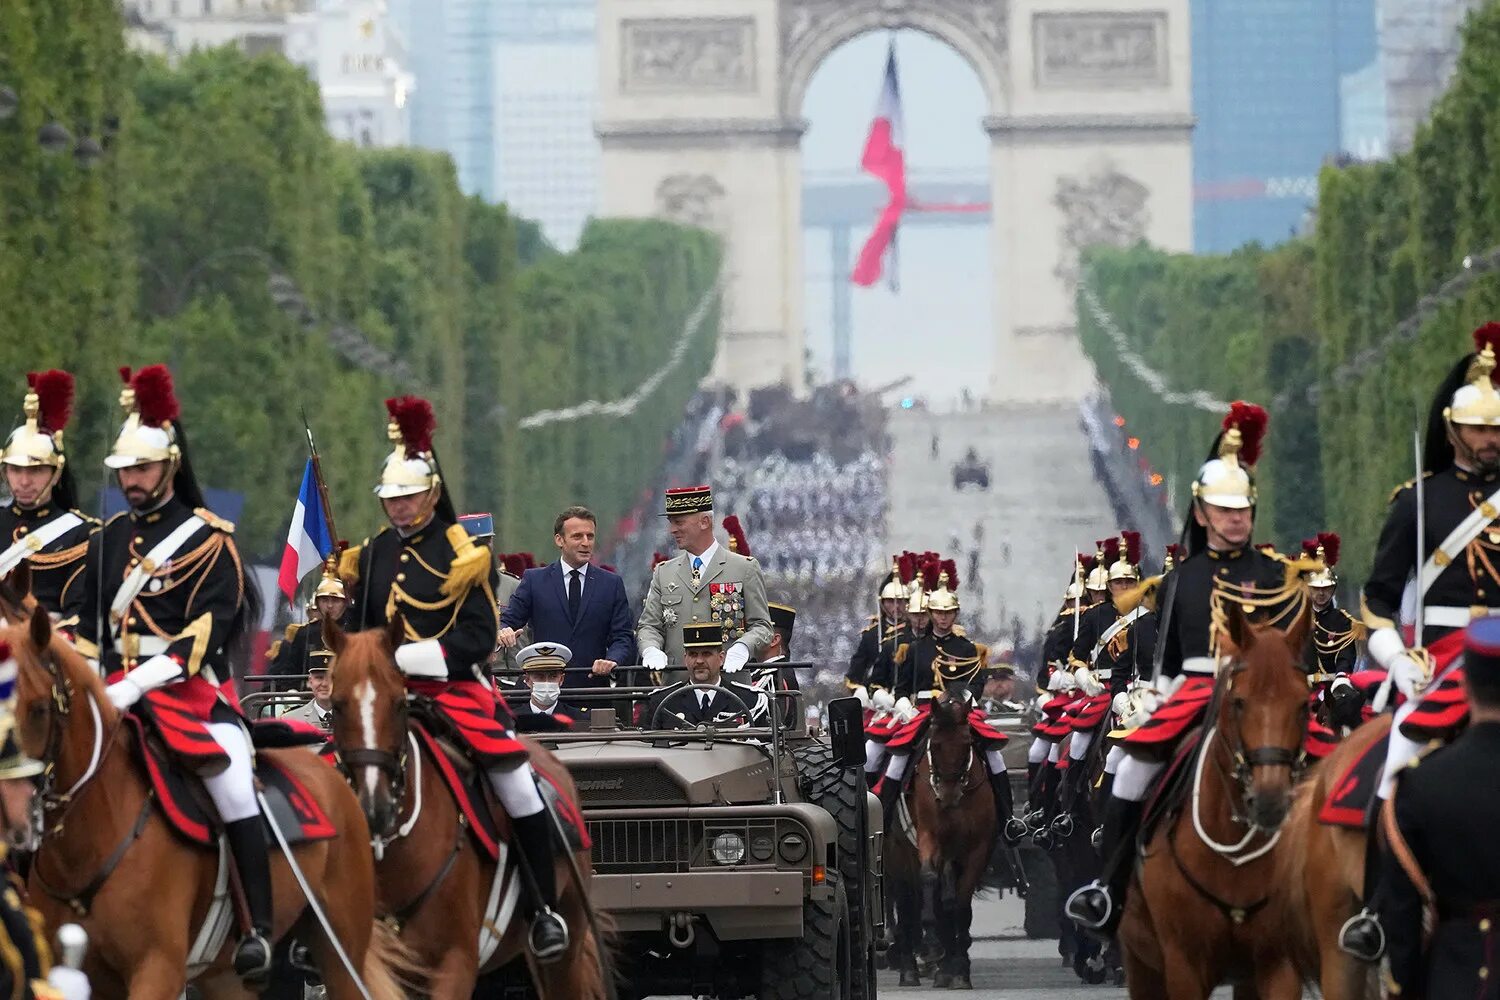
x,y
71,983
1407,673
424,660
653,659
1119,704
863,694
905,710
736,658
883,700
159,671
1061,680
1085,679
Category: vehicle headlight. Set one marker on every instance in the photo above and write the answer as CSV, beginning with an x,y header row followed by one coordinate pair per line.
x,y
762,846
728,848
793,847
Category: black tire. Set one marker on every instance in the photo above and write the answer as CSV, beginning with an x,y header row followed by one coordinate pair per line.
x,y
840,792
1043,903
817,966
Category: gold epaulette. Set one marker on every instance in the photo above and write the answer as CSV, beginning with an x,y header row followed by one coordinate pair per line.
x,y
349,561
87,518
1296,567
292,630
958,629
1142,593
214,521
873,624
273,651
1404,486
471,563
984,654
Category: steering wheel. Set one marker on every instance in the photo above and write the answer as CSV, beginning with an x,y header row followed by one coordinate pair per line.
x,y
679,723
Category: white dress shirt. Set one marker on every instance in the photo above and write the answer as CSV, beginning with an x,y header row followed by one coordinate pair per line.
x,y
707,555
583,576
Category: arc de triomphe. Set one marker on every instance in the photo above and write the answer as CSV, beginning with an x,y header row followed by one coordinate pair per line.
x,y
1089,125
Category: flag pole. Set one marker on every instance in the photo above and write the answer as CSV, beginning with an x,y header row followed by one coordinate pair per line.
x,y
317,467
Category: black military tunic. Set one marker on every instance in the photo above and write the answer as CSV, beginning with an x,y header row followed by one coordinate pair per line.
x,y
1208,580
1470,580
56,570
1058,642
187,608
301,649
1091,625
1335,641
1448,820
691,711
917,672
1129,653
871,663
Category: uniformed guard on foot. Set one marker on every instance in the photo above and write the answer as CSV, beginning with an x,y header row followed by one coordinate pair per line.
x,y
41,524
1221,566
165,600
1459,494
426,567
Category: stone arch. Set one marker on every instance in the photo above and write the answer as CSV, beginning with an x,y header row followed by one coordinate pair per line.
x,y
975,31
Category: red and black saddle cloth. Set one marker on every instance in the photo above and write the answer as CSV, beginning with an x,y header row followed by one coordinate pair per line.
x,y
1054,724
177,779
1089,713
1443,711
914,732
1348,804
469,713
1179,714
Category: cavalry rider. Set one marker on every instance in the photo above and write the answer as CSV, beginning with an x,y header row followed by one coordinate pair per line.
x,y
872,668
1115,642
40,524
426,567
1222,566
961,663
1459,500
1336,633
1062,631
165,601
1442,875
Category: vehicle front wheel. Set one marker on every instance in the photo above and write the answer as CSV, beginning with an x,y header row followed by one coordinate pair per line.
x,y
817,966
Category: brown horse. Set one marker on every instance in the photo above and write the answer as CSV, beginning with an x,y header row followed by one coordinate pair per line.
x,y
1199,914
150,890
954,813
1321,874
432,877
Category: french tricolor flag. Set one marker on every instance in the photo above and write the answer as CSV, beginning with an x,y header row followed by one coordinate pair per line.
x,y
308,542
885,160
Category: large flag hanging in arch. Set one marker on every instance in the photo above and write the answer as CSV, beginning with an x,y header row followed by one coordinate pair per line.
x,y
884,159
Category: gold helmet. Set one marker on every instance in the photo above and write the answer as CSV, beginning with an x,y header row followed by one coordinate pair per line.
x,y
1098,578
929,572
944,596
331,584
1172,558
894,588
1225,479
39,440
1476,402
1325,549
1128,565
151,411
410,468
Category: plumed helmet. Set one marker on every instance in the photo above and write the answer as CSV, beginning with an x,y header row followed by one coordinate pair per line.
x,y
1225,480
1127,566
1476,402
410,467
1325,549
1098,578
944,596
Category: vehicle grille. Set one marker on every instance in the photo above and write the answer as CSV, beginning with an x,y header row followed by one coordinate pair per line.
x,y
626,786
625,846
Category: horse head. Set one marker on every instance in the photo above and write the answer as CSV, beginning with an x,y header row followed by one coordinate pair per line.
x,y
369,717
50,677
950,747
1263,711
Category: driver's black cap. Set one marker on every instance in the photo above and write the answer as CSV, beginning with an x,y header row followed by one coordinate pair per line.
x,y
710,636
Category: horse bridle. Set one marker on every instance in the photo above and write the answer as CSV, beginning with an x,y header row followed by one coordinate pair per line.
x,y
1244,762
390,763
964,778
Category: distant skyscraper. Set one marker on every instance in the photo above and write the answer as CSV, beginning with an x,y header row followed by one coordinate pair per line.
x,y
358,58
1419,43
1267,92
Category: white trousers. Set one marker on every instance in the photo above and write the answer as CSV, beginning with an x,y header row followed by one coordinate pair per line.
x,y
994,760
874,756
1112,759
1134,776
1400,750
1054,753
516,789
1079,745
1037,752
233,789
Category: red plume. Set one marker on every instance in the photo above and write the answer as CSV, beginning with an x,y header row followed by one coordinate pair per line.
x,y
1488,336
54,393
1111,548
1132,547
1310,547
737,534
906,566
413,416
951,568
931,567
1330,540
1252,421
657,558
1176,552
1088,563
125,374
154,399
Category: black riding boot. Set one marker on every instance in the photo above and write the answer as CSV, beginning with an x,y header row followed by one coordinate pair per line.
x,y
1099,905
1010,826
888,793
247,844
1362,934
549,933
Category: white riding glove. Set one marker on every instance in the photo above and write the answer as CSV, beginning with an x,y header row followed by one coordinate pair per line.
x,y
71,983
1119,704
883,700
424,660
653,659
159,671
863,694
1085,679
736,658
1061,680
905,710
1407,672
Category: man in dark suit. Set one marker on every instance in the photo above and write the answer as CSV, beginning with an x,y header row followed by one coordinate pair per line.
x,y
703,655
575,604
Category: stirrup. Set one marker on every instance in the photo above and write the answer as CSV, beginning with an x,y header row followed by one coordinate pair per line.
x,y
1062,826
1014,831
1042,838
547,952
1090,906
253,969
1096,839
1364,924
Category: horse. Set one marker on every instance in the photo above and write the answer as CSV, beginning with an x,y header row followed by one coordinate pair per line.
x,y
1321,876
1076,859
1198,914
433,880
903,900
110,861
954,813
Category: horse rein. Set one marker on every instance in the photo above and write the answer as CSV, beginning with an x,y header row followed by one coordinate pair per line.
x,y
964,778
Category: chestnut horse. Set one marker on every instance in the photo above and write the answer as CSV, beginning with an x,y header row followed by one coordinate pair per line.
x,y
1321,876
954,813
432,877
1199,911
150,890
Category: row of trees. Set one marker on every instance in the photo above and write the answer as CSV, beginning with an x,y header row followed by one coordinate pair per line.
x,y
1392,242
228,235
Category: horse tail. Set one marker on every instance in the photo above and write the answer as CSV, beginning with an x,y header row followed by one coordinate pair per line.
x,y
390,966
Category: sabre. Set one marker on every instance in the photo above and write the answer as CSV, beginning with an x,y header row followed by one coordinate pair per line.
x,y
312,900
1078,598
1383,694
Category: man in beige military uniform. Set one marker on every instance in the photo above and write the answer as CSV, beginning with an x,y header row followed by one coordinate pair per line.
x,y
705,583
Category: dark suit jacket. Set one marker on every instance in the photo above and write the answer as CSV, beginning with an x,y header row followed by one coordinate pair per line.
x,y
688,706
604,629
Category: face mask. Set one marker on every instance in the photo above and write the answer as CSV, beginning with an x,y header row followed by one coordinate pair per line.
x,y
546,693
